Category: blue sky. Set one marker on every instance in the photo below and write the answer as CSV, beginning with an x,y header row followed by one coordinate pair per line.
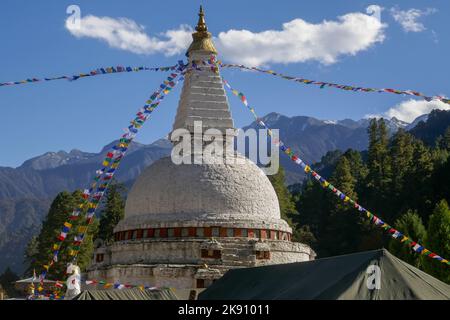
x,y
412,53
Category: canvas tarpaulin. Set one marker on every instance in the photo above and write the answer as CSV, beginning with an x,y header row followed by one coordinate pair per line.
x,y
127,294
347,277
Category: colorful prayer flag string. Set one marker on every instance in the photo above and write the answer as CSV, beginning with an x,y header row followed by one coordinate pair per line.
x,y
109,166
142,115
96,72
93,282
118,285
323,84
325,184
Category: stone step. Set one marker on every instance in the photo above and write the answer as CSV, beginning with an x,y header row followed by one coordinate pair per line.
x,y
205,85
206,79
207,90
191,98
206,122
201,112
220,105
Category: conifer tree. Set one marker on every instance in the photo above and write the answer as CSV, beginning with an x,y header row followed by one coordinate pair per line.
x,y
342,224
379,166
59,212
417,188
411,225
312,207
438,240
445,144
113,211
287,205
7,279
401,154
30,253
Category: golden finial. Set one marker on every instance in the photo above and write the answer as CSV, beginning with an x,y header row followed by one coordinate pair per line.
x,y
201,24
202,38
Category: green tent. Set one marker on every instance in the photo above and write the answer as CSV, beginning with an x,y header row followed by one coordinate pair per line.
x,y
370,275
127,294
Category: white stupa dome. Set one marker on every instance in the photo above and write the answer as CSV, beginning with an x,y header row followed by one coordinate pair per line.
x,y
213,193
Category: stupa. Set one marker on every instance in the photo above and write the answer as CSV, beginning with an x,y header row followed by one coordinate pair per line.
x,y
185,225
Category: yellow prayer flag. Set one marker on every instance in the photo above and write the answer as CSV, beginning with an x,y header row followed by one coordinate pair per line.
x,y
307,169
346,199
404,239
105,163
55,246
326,184
45,267
67,224
82,229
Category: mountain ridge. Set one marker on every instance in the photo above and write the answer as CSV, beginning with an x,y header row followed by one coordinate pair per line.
x,y
27,190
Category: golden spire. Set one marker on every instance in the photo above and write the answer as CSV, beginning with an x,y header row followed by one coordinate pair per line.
x,y
202,38
201,24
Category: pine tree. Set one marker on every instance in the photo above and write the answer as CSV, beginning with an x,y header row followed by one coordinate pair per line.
x,y
31,251
379,166
342,230
401,154
287,205
411,225
445,142
439,181
60,210
312,207
438,240
7,279
303,234
84,257
417,188
113,211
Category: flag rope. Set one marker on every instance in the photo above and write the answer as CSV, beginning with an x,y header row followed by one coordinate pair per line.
x,y
394,233
96,72
106,285
112,161
323,84
168,85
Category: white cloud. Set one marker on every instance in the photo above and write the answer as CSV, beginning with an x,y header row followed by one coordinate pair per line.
x,y
408,18
298,41
301,41
411,109
126,34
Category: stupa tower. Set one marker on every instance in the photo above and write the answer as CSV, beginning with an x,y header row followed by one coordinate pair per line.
x,y
203,96
185,225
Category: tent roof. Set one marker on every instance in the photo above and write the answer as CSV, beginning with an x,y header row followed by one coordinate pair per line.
x,y
340,277
127,294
